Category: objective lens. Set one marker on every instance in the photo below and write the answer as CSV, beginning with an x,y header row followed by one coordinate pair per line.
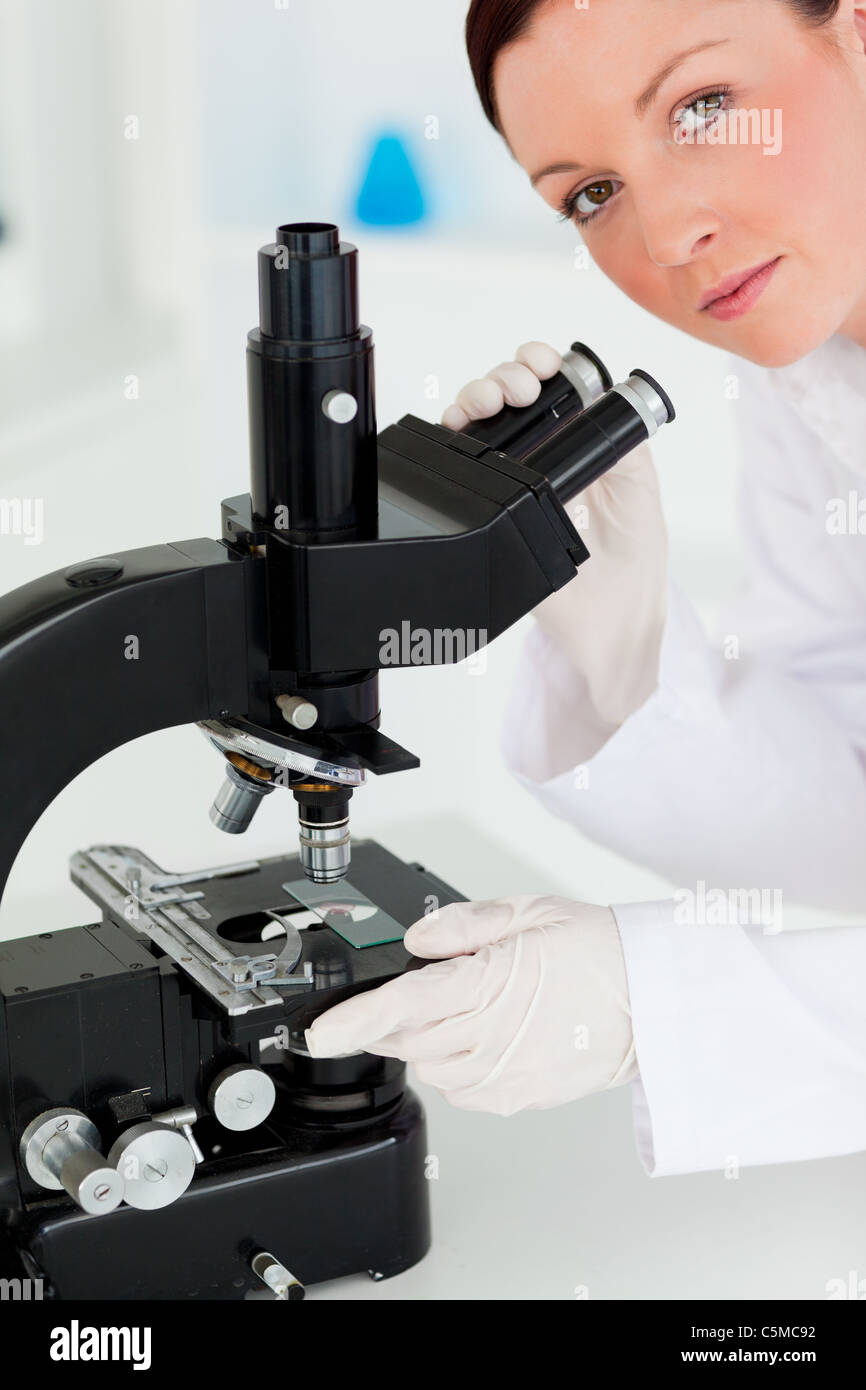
x,y
325,850
237,801
323,830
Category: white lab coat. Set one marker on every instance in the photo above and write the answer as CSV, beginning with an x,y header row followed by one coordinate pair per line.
x,y
745,773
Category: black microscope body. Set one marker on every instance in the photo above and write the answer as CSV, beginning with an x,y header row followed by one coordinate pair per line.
x,y
164,1132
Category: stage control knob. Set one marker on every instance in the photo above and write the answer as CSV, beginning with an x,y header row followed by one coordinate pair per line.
x,y
60,1150
242,1096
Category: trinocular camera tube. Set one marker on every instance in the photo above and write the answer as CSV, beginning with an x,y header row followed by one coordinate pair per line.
x,y
310,375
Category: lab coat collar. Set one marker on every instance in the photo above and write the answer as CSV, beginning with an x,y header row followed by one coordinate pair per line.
x,y
827,389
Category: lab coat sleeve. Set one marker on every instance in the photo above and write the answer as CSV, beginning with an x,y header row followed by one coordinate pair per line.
x,y
745,764
751,1044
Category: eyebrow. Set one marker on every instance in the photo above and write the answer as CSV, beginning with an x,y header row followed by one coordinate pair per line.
x,y
641,106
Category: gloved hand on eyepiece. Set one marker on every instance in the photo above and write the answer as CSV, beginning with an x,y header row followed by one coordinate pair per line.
x,y
609,621
511,383
530,1009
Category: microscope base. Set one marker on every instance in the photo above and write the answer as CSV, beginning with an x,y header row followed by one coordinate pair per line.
x,y
342,1200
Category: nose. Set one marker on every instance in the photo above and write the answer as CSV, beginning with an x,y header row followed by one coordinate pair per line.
x,y
676,225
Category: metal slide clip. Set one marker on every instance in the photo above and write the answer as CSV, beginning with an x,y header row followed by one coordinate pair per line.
x,y
272,968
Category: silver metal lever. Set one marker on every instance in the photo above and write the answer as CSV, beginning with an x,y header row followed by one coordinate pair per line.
x,y
282,1283
183,1117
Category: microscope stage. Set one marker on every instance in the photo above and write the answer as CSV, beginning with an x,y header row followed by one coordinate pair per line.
x,y
233,929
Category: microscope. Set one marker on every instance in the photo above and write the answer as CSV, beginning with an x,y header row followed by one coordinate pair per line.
x,y
164,1131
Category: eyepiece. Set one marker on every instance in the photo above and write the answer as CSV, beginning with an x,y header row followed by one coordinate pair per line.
x,y
519,430
620,420
643,396
660,392
586,371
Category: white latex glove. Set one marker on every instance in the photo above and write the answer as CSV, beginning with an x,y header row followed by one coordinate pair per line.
x,y
532,1009
609,620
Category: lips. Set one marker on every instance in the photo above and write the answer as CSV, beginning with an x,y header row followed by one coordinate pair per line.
x,y
732,283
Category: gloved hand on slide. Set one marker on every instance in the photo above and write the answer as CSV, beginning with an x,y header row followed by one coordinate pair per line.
x,y
530,1010
609,620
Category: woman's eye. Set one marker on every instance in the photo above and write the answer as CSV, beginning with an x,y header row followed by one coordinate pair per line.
x,y
593,197
588,202
700,113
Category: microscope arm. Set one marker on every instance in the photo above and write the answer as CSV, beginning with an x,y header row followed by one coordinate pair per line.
x,y
90,659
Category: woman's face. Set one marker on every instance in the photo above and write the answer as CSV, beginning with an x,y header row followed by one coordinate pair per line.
x,y
675,216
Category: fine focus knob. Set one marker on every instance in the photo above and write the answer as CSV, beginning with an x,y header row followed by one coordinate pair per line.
x,y
155,1162
242,1097
60,1150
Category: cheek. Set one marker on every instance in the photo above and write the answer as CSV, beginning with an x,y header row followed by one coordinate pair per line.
x,y
622,256
797,184
814,189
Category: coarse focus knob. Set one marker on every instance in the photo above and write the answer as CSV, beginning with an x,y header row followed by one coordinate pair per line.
x,y
155,1162
60,1150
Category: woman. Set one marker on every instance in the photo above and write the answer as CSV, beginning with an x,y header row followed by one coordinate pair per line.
x,y
739,766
